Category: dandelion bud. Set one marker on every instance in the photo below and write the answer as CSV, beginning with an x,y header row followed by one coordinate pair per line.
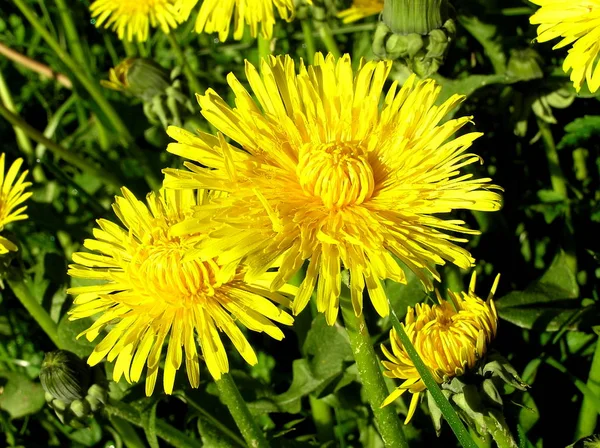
x,y
73,389
417,33
525,64
140,77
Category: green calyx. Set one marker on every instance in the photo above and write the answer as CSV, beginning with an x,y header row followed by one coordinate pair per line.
x,y
417,33
477,396
525,64
146,79
73,389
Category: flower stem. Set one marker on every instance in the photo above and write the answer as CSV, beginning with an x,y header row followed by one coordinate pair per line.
x,y
68,156
73,37
264,48
328,40
163,430
583,387
309,40
230,395
17,284
369,370
446,408
22,140
501,436
193,82
588,414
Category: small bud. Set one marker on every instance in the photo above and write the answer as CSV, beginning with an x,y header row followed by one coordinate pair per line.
x,y
525,64
64,376
140,77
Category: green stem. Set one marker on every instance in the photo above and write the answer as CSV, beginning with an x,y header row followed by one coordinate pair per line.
x,y
500,435
130,437
434,389
230,395
163,430
212,420
73,37
323,419
22,140
328,40
58,150
193,82
20,289
93,88
264,48
588,414
369,370
583,388
309,40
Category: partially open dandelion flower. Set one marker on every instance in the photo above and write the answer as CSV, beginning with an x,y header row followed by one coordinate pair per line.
x,y
133,18
12,194
449,337
361,9
322,173
215,16
152,292
577,22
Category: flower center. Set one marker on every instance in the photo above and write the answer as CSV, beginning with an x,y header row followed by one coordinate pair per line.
x,y
338,173
157,270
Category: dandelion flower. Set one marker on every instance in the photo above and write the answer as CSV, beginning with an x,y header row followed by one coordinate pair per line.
x,y
215,16
319,172
361,9
12,195
576,22
450,338
131,18
151,292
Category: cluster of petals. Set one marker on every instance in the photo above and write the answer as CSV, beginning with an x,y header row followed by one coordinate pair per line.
x,y
361,9
450,338
577,23
12,195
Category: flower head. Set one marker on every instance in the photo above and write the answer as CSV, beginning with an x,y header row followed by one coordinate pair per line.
x,y
361,9
12,194
131,18
449,337
576,22
319,172
215,16
152,291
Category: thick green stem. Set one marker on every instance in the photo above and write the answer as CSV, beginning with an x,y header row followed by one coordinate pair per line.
x,y
93,88
328,40
369,370
588,414
500,435
446,408
230,395
20,289
309,40
68,156
193,82
165,431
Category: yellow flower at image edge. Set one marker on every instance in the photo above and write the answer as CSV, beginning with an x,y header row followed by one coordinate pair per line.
x,y
12,194
316,171
153,293
449,337
215,16
361,9
131,18
577,22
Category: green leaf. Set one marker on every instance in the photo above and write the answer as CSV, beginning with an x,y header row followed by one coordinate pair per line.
x,y
20,396
211,436
580,131
67,334
149,423
303,383
547,303
326,359
89,436
402,296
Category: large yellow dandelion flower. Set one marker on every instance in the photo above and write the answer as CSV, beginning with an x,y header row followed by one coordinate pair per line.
x,y
449,337
131,18
577,22
215,16
361,9
320,172
151,292
12,194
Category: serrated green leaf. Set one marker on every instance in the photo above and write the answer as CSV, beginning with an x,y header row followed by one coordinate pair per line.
x,y
326,360
67,334
580,130
149,423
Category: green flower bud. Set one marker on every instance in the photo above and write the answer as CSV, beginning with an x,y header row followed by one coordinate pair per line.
x,y
140,77
64,376
587,442
73,389
525,64
417,33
